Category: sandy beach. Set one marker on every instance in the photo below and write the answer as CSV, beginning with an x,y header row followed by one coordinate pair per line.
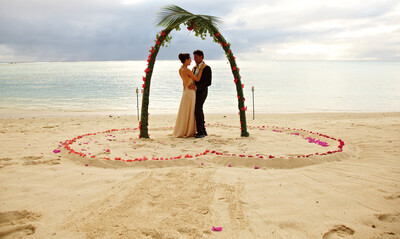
x,y
92,177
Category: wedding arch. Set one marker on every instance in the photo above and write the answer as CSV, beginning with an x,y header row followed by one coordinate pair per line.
x,y
171,17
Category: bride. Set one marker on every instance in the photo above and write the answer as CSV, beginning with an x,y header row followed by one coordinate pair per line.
x,y
185,125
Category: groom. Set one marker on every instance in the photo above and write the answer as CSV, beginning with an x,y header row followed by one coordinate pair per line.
x,y
201,92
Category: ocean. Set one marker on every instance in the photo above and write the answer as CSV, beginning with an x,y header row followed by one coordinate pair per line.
x,y
279,86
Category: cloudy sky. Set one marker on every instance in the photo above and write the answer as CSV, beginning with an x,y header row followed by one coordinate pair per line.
x,y
91,30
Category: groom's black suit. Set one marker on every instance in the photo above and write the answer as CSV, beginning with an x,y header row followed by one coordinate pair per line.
x,y
201,95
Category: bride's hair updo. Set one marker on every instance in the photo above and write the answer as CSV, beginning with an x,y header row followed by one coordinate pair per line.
x,y
183,57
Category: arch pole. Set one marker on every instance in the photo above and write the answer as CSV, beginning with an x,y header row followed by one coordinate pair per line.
x,y
144,118
237,79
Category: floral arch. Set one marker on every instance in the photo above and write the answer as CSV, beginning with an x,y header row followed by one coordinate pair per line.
x,y
172,17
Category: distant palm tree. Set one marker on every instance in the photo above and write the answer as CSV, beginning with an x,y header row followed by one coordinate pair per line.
x,y
171,17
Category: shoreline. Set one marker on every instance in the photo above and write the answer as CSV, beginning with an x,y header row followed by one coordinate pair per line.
x,y
20,113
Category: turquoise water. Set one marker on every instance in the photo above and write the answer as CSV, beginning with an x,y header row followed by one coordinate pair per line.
x,y
280,86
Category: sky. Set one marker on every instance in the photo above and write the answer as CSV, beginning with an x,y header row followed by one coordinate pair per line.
x,y
111,30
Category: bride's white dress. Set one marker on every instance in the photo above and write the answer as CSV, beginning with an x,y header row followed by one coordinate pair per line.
x,y
185,125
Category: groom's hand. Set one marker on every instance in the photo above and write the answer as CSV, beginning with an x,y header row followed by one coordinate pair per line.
x,y
192,87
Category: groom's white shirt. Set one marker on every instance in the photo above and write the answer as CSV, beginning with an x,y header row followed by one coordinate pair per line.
x,y
196,70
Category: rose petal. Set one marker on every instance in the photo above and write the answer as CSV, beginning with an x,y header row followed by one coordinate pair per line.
x,y
216,229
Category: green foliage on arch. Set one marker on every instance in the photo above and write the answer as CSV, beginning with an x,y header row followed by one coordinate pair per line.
x,y
171,17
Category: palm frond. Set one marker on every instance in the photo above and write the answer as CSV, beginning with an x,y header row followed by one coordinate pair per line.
x,y
216,21
172,16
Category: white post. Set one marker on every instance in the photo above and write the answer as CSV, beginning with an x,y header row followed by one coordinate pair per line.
x,y
252,89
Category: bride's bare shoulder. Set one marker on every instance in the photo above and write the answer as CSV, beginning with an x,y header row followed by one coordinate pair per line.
x,y
184,70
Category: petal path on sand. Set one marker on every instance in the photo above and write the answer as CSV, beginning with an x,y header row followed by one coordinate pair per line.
x,y
122,145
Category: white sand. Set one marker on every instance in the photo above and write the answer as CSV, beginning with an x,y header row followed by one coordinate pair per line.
x,y
349,194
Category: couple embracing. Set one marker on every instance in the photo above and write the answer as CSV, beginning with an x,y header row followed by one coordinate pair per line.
x,y
190,117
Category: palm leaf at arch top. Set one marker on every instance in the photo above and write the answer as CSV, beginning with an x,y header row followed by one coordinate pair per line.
x,y
172,16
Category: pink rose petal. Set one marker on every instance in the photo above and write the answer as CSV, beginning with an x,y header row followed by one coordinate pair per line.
x,y
216,229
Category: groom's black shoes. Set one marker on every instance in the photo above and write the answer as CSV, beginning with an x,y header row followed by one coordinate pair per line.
x,y
200,135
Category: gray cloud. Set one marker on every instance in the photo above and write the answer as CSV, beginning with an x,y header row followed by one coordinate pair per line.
x,y
55,30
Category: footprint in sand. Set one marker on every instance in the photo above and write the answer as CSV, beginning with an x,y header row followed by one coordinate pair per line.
x,y
340,231
6,162
34,160
388,217
50,126
229,198
393,196
16,224
31,158
386,235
